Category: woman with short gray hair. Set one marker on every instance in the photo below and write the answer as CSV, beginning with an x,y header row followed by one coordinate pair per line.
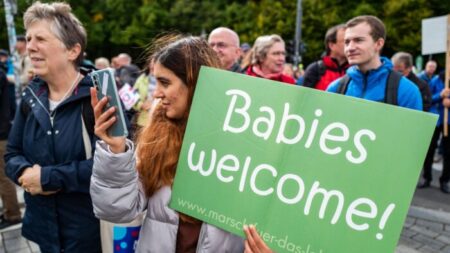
x,y
50,147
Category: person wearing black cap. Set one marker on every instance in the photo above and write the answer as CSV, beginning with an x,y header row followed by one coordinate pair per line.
x,y
3,58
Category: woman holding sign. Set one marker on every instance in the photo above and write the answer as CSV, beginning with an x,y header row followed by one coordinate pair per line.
x,y
123,185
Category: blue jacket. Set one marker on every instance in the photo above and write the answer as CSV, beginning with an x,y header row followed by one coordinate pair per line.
x,y
436,86
64,220
422,75
372,86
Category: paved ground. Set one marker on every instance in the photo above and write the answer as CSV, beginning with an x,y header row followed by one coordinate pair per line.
x,y
11,240
427,227
426,230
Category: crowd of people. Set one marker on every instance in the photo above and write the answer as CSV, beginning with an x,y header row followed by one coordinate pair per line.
x,y
74,173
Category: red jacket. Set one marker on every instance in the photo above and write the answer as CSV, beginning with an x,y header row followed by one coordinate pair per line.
x,y
321,73
280,77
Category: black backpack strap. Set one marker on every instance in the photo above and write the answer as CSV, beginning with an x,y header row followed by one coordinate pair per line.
x,y
392,84
343,84
88,115
321,68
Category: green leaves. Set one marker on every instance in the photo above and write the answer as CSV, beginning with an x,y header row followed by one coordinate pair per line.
x,y
128,25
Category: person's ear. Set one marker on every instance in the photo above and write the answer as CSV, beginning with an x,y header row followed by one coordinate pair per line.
x,y
74,52
331,46
239,51
379,44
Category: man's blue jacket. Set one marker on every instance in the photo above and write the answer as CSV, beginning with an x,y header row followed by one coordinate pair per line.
x,y
372,86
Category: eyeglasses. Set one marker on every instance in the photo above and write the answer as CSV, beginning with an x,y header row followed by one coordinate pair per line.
x,y
219,45
278,53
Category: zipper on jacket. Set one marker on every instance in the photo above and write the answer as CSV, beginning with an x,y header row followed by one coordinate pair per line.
x,y
51,117
52,114
365,84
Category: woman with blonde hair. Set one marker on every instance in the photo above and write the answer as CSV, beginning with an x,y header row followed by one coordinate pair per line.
x,y
267,57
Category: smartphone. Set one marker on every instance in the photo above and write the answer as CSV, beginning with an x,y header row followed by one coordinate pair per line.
x,y
105,84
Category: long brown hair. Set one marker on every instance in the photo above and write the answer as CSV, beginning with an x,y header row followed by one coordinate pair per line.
x,y
159,144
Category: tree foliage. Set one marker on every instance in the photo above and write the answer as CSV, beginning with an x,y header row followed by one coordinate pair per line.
x,y
115,26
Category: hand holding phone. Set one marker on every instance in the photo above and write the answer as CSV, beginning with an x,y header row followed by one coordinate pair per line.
x,y
106,86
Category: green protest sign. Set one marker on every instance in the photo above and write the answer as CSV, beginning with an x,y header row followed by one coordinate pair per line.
x,y
315,172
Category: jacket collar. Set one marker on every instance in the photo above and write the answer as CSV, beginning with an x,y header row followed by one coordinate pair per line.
x,y
332,63
372,77
40,89
235,68
36,98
